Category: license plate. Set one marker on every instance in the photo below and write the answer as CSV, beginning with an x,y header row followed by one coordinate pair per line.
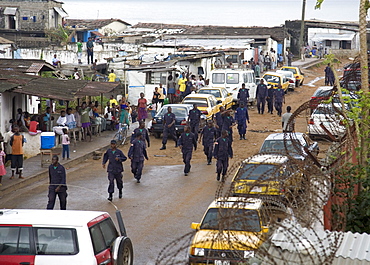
x,y
222,262
256,189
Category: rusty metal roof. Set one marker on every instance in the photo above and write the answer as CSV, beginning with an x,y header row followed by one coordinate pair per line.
x,y
51,87
25,65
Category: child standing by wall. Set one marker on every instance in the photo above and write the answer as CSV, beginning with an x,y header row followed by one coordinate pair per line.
x,y
65,143
2,164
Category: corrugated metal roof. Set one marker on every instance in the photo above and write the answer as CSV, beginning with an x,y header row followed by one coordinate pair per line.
x,y
293,244
23,65
332,36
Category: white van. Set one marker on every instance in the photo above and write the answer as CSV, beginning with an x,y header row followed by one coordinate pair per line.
x,y
232,79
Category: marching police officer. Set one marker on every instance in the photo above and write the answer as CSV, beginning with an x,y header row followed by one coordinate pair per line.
x,y
115,168
143,131
187,142
169,120
270,99
194,120
228,123
137,153
241,117
219,120
208,135
279,98
261,94
223,151
57,178
243,95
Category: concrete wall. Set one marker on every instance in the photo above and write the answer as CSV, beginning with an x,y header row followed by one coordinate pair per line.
x,y
32,15
10,102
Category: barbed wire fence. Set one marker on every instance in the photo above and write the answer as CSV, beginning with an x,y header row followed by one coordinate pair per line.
x,y
293,203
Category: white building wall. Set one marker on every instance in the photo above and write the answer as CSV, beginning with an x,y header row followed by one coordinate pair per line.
x,y
113,27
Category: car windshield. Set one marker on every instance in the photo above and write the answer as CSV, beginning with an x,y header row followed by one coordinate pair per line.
x,y
294,71
178,111
272,79
277,146
214,92
322,93
259,172
232,219
202,103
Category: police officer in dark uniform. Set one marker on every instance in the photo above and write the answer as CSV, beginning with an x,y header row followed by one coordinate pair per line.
x,y
270,99
194,120
261,94
115,168
228,123
187,142
243,95
169,120
208,135
143,131
137,153
57,178
279,94
223,151
241,117
219,120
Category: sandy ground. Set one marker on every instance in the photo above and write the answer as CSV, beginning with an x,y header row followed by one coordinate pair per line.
x,y
259,128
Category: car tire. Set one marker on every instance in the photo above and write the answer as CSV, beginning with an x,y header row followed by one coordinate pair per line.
x,y
301,83
157,135
297,83
125,253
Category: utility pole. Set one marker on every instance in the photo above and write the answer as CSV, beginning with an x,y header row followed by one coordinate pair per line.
x,y
302,28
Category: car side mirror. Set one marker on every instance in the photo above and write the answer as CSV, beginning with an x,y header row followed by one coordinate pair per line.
x,y
195,226
265,229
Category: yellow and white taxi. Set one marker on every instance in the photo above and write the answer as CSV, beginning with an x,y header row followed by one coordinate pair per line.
x,y
230,232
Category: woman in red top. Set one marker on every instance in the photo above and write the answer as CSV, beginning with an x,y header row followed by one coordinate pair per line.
x,y
141,104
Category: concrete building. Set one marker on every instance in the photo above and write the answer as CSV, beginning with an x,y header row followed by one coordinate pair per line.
x,y
25,21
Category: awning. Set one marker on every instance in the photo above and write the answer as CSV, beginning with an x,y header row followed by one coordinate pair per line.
x,y
10,11
97,33
333,36
60,11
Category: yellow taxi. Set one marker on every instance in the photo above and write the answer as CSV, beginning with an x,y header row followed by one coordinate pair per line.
x,y
230,233
299,76
266,175
207,104
220,94
275,79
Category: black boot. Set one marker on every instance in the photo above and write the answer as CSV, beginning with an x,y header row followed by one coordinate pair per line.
x,y
209,161
110,198
218,176
120,194
244,137
163,147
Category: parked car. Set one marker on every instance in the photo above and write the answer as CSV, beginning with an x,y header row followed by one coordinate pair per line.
x,y
320,94
220,94
207,104
226,223
292,144
275,79
327,118
297,73
181,112
266,175
44,237
291,78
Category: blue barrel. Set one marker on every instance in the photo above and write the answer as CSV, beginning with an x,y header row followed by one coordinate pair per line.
x,y
47,140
